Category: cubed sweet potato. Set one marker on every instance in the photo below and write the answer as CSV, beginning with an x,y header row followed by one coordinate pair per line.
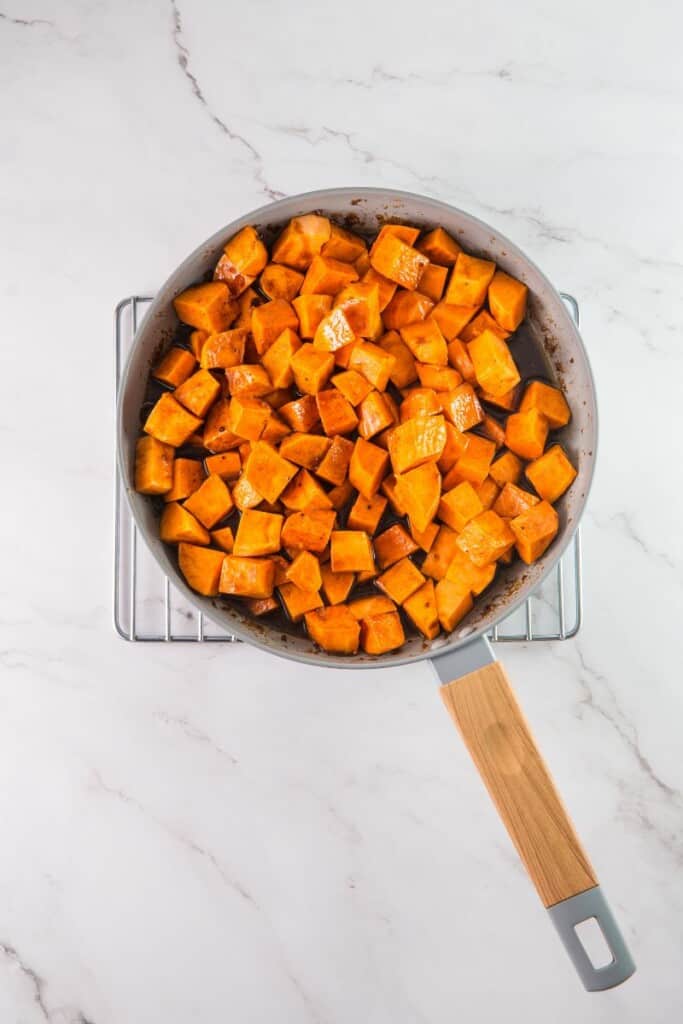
x,y
452,319
459,357
534,530
353,386
465,573
395,259
343,245
459,505
301,241
487,492
386,289
247,577
336,414
248,417
366,513
196,343
270,320
177,524
367,467
417,441
512,501
475,461
304,571
406,232
439,378
334,466
248,381
367,607
277,358
425,538
223,538
341,495
426,342
218,437
433,281
208,307
404,371
453,603
506,468
326,276
210,502
304,449
351,551
301,414
201,568
373,362
334,331
375,414
406,308
440,247
336,586
392,545
175,366
360,304
334,629
441,553
469,281
246,302
494,366
419,402
421,609
312,369
401,580
224,349
547,400
258,533
486,538
308,531
481,322
551,474
246,252
311,309
526,433
267,471
198,392
188,475
153,466
170,423
280,282
419,491
298,602
493,430
507,300
382,633
259,606
462,407
245,494
508,401
305,494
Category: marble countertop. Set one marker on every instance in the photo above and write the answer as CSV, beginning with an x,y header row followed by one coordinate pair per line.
x,y
209,833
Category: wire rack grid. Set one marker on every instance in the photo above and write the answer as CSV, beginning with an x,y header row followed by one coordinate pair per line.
x,y
149,609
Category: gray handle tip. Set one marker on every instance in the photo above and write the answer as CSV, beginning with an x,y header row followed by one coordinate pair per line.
x,y
592,904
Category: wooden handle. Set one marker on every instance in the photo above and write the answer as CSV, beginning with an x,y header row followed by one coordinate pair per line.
x,y
492,724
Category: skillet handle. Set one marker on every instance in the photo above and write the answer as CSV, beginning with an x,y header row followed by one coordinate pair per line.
x,y
492,724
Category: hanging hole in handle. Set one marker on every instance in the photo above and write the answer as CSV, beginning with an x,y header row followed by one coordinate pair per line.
x,y
594,942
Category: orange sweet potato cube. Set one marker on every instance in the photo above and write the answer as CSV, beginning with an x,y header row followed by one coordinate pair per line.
x,y
198,392
326,276
334,466
486,538
248,417
237,282
262,605
311,309
438,378
280,282
188,475
336,414
453,603
392,545
382,633
421,609
353,386
304,571
507,300
401,580
441,553
465,573
534,530
218,437
170,423
426,342
481,322
270,320
258,533
196,342
551,474
386,289
246,303
405,232
367,607
508,401
360,304
245,494
334,629
494,366
462,407
308,531
419,402
298,602
224,349
301,241
474,463
459,357
487,492
351,551
301,414
469,281
440,247
248,380
247,577
404,371
433,281
201,567
277,358
367,467
223,538
512,501
267,471
373,362
425,538
312,369
547,400
417,441
375,413
393,258
210,502
456,443
506,468
334,332
406,308
208,307
459,505
304,449
493,430
336,586
343,245
341,495
305,494
246,252
452,319
419,491
177,524
366,513
154,470
175,367
526,433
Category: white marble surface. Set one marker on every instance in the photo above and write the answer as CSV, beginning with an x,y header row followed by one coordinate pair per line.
x,y
210,834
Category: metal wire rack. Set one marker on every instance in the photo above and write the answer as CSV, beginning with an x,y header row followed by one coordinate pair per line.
x,y
148,608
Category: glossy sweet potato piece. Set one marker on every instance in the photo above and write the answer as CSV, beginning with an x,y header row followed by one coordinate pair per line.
x,y
218,437
506,468
301,241
401,580
248,381
459,505
210,502
487,492
247,577
440,247
312,369
433,281
366,513
177,524
474,463
459,357
419,491
352,385
462,407
512,501
494,366
392,545
198,392
456,443
336,414
551,474
441,553
481,322
208,307
493,431
406,232
246,252
351,551
201,567
343,245
419,402
335,464
305,494
188,475
547,400
404,370
258,533
376,414
301,414
326,276
277,359
275,429
426,342
280,282
154,469
248,417
304,449
507,300
223,538
196,342
298,602
526,433
367,467
267,471
245,495
417,441
308,531
360,304
421,609
304,571
373,363
438,378
534,530
334,332
170,423
425,538
334,629
224,349
246,302
486,538
262,605
341,495
336,586
175,366
382,633
311,309
400,262
406,308
465,573
452,319
453,603
508,401
386,289
269,321
469,281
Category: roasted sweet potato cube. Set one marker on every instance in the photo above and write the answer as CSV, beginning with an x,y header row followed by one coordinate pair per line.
x,y
404,370
469,281
351,551
275,430
278,357
198,392
341,495
245,494
188,475
386,289
452,319
433,281
534,530
280,282
153,466
270,320
419,402
224,349
334,629
494,366
326,276
342,356
487,492
406,308
526,433
223,538
267,471
462,407
175,366
388,488
177,524
382,633
456,443
493,430
246,302
258,533
392,545
246,252
417,441
362,265
301,240
401,580
311,309
336,586
483,321
507,300
438,378
420,608
308,531
373,362
419,491
367,607
486,538
367,467
506,468
440,247
551,474
218,437
305,494
297,602
465,573
262,605
360,304
336,414
304,449
248,381
548,400
424,538
312,369
393,258
247,577
343,245
248,417
508,401
196,342
512,501
170,423
366,513
334,332
210,502
459,505
353,386
301,414
441,553
426,342
474,463
406,232
305,572
208,307
459,357
453,603
201,567
335,465
375,414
